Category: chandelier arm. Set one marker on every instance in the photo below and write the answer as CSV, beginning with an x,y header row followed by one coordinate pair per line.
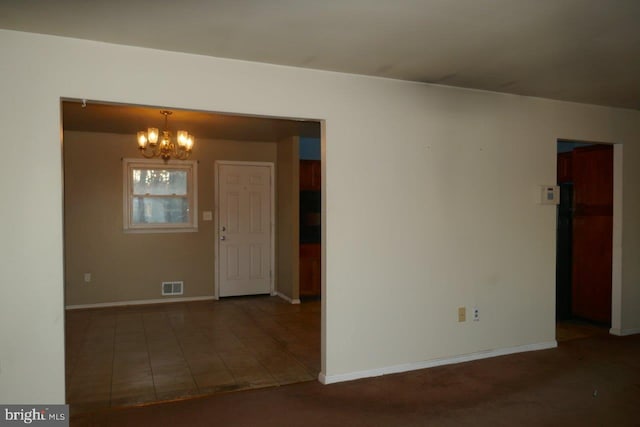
x,y
146,154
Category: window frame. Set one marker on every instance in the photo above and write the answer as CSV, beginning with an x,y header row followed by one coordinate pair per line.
x,y
189,166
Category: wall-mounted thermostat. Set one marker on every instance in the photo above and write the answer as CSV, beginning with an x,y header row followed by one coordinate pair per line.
x,y
550,195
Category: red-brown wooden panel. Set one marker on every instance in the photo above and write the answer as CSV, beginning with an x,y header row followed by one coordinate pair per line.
x,y
310,269
565,173
592,170
310,175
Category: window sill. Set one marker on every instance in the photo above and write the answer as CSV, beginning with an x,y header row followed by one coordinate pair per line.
x,y
159,230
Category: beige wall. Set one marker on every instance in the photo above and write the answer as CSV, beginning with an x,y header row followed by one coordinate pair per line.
x,y
430,201
288,203
131,266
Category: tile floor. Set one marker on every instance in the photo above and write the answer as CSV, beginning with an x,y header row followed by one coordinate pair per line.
x,y
138,354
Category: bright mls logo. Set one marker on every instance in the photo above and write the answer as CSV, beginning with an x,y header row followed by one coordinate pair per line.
x,y
51,415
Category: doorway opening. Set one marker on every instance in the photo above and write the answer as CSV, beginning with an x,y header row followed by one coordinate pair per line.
x,y
127,342
584,251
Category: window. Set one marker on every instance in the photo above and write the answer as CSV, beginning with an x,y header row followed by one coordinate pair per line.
x,y
160,197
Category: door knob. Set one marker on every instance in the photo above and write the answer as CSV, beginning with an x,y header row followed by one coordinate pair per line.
x,y
223,238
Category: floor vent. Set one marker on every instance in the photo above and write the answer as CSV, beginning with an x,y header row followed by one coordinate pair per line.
x,y
172,288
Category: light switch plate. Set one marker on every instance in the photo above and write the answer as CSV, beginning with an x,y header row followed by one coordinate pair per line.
x,y
207,215
549,195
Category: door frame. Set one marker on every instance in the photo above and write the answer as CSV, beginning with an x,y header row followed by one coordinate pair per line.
x,y
216,216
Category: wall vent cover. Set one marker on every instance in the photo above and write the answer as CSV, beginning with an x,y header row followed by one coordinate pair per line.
x,y
172,288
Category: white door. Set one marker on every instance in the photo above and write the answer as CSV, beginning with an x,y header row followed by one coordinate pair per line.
x,y
244,228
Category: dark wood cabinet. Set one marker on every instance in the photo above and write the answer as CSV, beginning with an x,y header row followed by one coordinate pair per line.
x,y
565,167
585,229
592,232
310,268
310,208
310,175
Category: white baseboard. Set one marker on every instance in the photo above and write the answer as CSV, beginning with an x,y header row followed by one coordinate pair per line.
x,y
330,379
136,302
322,378
623,332
286,298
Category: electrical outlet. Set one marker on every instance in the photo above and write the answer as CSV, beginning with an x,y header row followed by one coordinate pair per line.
x,y
87,277
476,314
462,314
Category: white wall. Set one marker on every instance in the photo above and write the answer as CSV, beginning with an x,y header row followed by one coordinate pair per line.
x,y
430,201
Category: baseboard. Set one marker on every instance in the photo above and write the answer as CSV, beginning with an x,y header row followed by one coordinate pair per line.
x,y
330,379
322,378
286,298
136,302
623,332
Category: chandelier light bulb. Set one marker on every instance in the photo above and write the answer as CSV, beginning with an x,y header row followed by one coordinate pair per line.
x,y
142,139
183,135
152,135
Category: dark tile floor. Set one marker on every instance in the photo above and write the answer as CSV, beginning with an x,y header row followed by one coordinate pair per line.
x,y
139,354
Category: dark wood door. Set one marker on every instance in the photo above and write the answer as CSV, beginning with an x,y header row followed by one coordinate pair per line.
x,y
592,169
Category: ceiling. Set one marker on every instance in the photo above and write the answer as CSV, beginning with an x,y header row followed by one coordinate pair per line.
x,y
129,119
576,50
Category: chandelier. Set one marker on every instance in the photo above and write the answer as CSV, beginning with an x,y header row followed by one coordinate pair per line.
x,y
153,144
